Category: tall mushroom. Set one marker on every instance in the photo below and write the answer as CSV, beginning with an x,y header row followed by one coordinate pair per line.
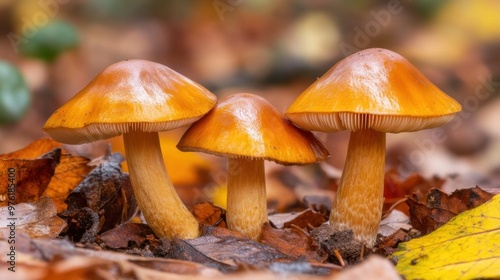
x,y
247,130
369,93
138,98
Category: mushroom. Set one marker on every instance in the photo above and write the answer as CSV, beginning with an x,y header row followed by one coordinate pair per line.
x,y
247,130
369,93
138,98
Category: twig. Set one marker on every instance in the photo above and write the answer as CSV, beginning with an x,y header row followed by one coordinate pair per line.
x,y
394,205
362,253
339,257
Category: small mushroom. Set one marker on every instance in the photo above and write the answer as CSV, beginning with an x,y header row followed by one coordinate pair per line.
x,y
247,130
369,93
138,98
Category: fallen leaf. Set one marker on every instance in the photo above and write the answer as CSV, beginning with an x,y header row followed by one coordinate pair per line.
x,y
70,172
226,251
34,149
123,235
25,180
67,175
123,207
467,247
38,219
293,242
97,189
107,191
218,194
44,259
209,214
25,213
304,219
182,250
396,188
48,228
392,223
438,207
389,244
60,259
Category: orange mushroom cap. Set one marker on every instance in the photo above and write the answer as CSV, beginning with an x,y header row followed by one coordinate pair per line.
x,y
129,95
372,89
247,126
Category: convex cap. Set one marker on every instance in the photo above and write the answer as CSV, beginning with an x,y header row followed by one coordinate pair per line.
x,y
372,89
247,126
132,95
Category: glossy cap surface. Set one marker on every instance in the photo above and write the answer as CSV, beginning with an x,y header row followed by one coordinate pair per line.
x,y
132,95
247,126
372,89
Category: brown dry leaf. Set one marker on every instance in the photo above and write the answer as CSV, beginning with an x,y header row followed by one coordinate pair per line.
x,y
393,222
38,219
141,268
189,251
209,214
30,176
294,242
45,259
305,219
389,244
123,207
48,228
439,207
225,249
107,191
68,174
121,236
102,201
60,259
396,188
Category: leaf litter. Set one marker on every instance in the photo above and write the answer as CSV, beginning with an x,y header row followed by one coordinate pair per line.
x,y
467,247
436,208
95,209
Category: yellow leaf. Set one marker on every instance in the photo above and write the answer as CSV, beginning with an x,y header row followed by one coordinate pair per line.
x,y
219,196
467,247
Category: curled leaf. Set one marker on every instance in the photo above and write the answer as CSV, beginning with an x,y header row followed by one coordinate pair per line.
x,y
25,180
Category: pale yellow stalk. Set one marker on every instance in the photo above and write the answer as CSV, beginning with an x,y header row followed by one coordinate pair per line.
x,y
162,208
246,197
359,200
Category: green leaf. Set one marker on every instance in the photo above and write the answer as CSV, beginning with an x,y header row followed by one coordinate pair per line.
x,y
467,247
50,40
14,94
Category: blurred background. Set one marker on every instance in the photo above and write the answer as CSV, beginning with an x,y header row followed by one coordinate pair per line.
x,y
50,49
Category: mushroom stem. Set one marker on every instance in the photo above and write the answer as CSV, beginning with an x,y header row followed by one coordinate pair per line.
x,y
162,208
246,196
359,199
